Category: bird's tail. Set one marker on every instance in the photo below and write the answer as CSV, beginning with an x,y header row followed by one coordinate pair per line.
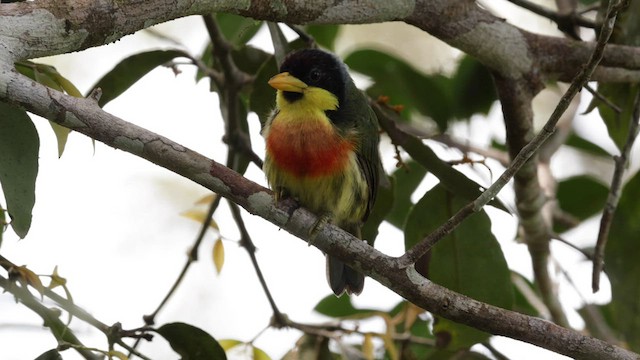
x,y
343,278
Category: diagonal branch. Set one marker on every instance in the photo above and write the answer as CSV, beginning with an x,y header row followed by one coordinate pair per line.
x,y
85,116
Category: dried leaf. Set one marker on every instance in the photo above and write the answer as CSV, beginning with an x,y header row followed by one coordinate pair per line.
x,y
218,255
199,216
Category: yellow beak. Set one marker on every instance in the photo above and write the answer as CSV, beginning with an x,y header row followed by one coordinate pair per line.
x,y
287,82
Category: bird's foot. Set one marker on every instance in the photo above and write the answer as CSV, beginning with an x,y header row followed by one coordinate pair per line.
x,y
313,232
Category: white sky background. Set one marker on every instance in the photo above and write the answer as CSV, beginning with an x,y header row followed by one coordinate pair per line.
x,y
110,221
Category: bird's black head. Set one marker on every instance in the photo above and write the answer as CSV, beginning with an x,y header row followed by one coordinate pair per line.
x,y
316,68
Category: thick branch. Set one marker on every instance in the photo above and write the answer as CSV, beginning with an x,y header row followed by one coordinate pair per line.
x,y
85,116
55,27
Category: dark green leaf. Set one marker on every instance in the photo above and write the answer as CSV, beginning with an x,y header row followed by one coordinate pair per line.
x,y
19,146
237,29
429,95
132,69
469,261
52,354
191,343
406,179
522,291
240,161
381,208
473,89
625,32
324,35
581,196
3,222
338,307
622,265
623,96
580,143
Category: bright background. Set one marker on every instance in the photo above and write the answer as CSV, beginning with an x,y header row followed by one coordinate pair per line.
x,y
111,221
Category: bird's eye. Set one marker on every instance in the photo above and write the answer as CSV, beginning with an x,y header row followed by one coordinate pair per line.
x,y
315,74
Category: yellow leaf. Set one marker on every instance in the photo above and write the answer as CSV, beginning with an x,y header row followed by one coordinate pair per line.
x,y
227,344
412,313
26,276
218,255
117,354
62,133
367,347
207,199
56,279
199,216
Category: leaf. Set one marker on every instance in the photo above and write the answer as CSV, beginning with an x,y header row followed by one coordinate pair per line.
x,y
199,216
368,350
56,279
237,29
259,354
429,95
473,89
406,180
49,76
580,143
339,307
625,32
324,35
190,342
623,96
381,208
218,255
262,98
227,344
115,353
130,70
52,354
26,277
19,147
469,261
623,267
207,199
581,196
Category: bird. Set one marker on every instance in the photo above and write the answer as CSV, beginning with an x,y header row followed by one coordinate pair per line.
x,y
322,149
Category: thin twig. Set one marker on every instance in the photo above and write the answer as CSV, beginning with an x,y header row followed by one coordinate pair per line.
x,y
603,98
613,198
560,19
279,319
193,257
580,79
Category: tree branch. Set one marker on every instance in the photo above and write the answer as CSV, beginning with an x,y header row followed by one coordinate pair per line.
x,y
85,116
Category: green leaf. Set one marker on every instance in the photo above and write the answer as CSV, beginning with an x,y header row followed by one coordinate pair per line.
x,y
3,222
324,35
236,29
472,88
458,355
263,96
190,342
429,95
406,179
580,143
52,354
339,307
469,261
622,265
381,208
132,69
19,146
48,75
522,291
625,32
623,96
581,196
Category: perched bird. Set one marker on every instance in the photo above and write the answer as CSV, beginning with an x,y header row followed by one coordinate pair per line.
x,y
322,148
